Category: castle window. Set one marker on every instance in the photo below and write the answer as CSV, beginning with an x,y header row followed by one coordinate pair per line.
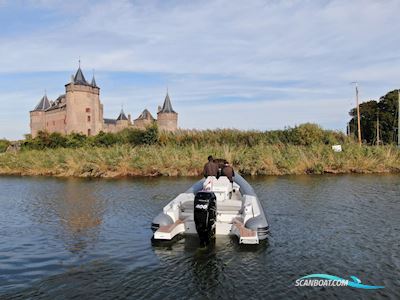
x,y
88,118
88,110
54,123
88,132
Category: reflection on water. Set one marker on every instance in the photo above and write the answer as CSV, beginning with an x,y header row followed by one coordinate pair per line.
x,y
80,214
70,238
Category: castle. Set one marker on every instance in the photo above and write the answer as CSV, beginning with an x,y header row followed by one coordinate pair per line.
x,y
80,110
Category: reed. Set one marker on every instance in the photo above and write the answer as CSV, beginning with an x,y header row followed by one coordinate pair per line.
x,y
187,159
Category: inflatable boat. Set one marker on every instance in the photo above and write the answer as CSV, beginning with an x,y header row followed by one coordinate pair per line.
x,y
213,207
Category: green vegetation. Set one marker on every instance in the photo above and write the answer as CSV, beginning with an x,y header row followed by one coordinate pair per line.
x,y
387,109
4,145
303,135
154,160
305,149
132,137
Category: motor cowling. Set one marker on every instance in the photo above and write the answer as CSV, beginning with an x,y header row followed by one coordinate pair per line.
x,y
205,210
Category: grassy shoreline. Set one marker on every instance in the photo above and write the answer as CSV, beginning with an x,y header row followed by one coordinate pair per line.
x,y
172,160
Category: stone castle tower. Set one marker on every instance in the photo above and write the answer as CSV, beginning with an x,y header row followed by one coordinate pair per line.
x,y
38,120
84,111
80,110
167,118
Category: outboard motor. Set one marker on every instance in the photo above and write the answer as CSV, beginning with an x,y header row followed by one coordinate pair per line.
x,y
205,210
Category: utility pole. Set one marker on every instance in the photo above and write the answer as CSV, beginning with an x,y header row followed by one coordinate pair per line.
x,y
378,141
398,119
358,114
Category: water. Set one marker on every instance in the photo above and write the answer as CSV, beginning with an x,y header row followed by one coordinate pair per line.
x,y
70,238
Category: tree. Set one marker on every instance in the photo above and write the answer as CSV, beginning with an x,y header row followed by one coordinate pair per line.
x,y
386,107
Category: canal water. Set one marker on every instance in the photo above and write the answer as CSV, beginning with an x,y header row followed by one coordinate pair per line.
x,y
83,239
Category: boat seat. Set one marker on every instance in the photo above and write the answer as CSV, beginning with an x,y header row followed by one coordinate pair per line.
x,y
229,206
169,228
243,231
220,185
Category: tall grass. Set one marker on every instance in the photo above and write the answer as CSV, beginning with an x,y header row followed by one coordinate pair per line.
x,y
305,149
188,160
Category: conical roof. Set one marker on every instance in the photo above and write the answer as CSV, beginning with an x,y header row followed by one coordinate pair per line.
x,y
167,107
43,104
93,84
122,116
79,78
145,115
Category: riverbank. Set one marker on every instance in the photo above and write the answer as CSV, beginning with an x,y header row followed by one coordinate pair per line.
x,y
156,160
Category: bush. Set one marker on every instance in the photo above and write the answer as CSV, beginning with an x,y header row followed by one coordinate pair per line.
x,y
306,134
302,135
105,139
56,140
142,137
75,140
150,135
4,145
45,140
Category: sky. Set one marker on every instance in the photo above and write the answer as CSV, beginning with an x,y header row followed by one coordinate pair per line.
x,y
227,64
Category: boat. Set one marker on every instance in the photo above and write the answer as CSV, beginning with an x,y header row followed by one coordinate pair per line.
x,y
213,207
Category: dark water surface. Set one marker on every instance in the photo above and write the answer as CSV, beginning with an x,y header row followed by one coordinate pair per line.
x,y
83,239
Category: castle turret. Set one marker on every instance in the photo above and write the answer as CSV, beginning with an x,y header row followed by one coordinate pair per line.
x,y
122,116
145,119
43,104
167,118
122,121
84,110
38,117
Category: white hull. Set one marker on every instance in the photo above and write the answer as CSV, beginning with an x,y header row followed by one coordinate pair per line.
x,y
239,212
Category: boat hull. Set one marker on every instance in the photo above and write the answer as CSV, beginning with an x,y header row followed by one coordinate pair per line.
x,y
239,212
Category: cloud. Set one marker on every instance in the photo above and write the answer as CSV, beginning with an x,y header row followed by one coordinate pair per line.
x,y
268,40
211,53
